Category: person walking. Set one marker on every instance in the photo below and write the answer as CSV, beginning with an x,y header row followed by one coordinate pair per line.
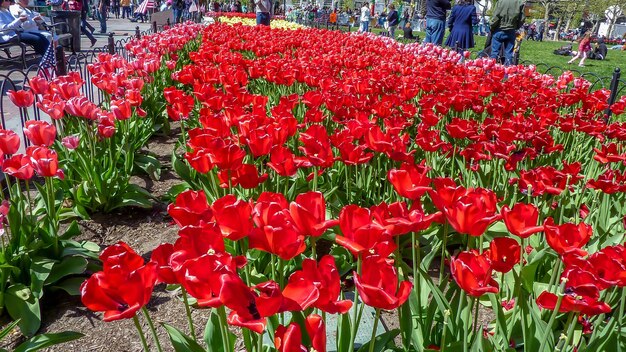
x,y
462,18
392,20
263,12
125,8
177,7
508,16
584,47
115,8
436,20
366,15
103,7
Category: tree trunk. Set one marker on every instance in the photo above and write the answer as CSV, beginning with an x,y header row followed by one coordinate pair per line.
x,y
611,25
569,21
422,8
546,17
556,32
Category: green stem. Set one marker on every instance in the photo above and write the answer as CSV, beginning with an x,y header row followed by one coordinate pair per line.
x,y
144,343
221,313
555,312
313,247
466,329
192,329
619,318
416,254
260,343
571,324
443,251
355,306
373,339
152,329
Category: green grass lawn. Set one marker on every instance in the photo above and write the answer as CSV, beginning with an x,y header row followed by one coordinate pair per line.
x,y
541,54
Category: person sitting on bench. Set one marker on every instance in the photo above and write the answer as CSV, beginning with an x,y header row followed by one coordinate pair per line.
x,y
39,42
35,21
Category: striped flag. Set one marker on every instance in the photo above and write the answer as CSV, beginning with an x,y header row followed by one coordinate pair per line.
x,y
48,64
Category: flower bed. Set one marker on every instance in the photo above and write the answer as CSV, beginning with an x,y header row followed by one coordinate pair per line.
x,y
316,162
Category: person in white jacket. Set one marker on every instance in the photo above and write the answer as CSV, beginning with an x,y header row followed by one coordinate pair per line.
x,y
365,18
35,20
11,24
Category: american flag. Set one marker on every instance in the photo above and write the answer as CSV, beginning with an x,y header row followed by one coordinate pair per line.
x,y
48,64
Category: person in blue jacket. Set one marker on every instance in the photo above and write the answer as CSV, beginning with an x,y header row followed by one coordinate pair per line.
x,y
461,21
436,20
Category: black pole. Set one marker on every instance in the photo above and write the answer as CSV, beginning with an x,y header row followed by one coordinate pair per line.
x,y
137,33
111,44
60,57
168,22
614,85
154,27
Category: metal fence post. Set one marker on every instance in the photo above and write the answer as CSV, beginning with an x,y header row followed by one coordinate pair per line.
x,y
137,33
60,58
614,85
154,27
111,45
168,22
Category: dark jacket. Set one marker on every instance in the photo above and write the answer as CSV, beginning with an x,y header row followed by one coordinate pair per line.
x,y
392,18
508,15
436,9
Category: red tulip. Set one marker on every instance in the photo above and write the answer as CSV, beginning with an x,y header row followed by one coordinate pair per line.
x,y
308,212
19,166
326,280
121,109
233,216
361,234
472,272
289,339
9,142
316,146
504,254
228,157
246,176
284,162
317,332
38,85
195,241
567,237
201,277
278,234
250,307
521,220
40,132
473,213
161,255
378,284
581,295
189,208
45,162
21,98
410,181
123,287
200,160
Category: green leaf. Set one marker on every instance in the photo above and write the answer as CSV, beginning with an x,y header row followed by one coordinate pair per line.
x,y
7,329
381,341
212,336
39,342
70,285
23,305
86,249
180,341
149,164
40,269
72,231
529,270
176,190
67,266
